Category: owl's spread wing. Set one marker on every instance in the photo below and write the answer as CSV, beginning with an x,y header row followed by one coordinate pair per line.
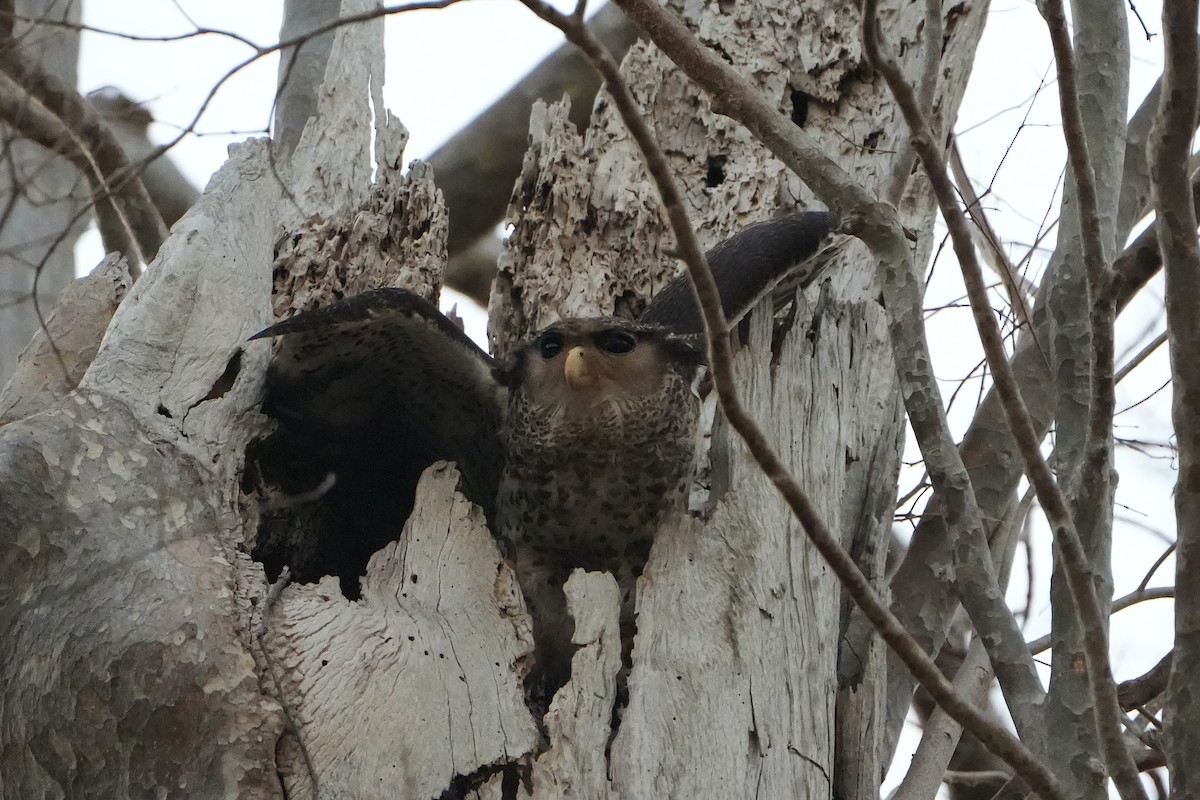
x,y
384,379
746,266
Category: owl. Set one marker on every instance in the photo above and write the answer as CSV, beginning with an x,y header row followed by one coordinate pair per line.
x,y
577,447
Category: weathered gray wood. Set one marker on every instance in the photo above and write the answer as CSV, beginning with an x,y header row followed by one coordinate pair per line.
x,y
119,551
55,359
579,721
400,692
129,659
125,669
1101,43
302,68
732,688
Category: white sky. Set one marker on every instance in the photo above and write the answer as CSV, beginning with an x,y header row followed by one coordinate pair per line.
x,y
446,66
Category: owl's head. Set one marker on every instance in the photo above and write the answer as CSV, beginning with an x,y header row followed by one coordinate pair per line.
x,y
583,362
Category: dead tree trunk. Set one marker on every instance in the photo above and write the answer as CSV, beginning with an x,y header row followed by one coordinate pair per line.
x,y
143,651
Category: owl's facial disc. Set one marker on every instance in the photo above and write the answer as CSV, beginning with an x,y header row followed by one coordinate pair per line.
x,y
577,364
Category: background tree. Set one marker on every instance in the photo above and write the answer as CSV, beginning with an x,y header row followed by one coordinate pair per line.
x,y
131,604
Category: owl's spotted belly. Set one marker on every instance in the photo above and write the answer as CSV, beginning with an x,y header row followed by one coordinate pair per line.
x,y
593,496
596,513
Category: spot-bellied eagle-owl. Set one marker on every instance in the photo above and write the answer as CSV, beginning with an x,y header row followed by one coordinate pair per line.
x,y
577,447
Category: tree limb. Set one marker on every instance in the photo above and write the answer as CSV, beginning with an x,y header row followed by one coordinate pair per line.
x,y
111,173
721,365
1181,259
1049,494
476,168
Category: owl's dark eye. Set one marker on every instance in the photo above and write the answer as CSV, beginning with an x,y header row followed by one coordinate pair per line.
x,y
616,342
551,345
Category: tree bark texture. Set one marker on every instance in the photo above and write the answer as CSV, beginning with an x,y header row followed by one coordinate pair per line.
x,y
130,657
128,604
595,220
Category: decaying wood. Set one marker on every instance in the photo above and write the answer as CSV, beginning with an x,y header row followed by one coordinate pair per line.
x,y
122,580
401,692
396,237
589,239
477,166
579,722
130,662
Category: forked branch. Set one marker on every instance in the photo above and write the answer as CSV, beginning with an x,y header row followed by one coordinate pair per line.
x,y
1104,689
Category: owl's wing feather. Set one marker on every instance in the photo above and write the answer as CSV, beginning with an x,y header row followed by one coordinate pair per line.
x,y
746,266
384,378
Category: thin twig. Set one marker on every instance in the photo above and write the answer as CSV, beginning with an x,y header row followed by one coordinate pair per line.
x,y
1015,285
1158,562
32,121
111,172
1142,355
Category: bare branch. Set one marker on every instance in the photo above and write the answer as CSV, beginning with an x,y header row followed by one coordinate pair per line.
x,y
1042,644
991,617
1139,691
942,735
1050,496
1141,356
982,777
1093,70
1158,562
111,172
988,448
1077,146
30,119
721,364
1181,259
1017,287
173,194
878,228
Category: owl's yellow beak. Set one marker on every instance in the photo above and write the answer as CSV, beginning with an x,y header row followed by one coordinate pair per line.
x,y
577,370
